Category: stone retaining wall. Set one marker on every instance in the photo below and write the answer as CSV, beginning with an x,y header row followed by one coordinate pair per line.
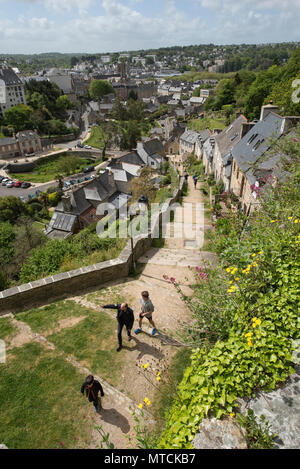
x,y
61,285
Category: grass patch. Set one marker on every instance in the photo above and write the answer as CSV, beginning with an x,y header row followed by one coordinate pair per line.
x,y
163,399
49,167
7,330
96,138
40,401
201,124
43,320
93,343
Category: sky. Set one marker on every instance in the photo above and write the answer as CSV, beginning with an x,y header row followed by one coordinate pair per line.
x,y
100,26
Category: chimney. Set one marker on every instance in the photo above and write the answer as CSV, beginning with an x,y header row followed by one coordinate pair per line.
x,y
66,201
111,179
246,126
265,110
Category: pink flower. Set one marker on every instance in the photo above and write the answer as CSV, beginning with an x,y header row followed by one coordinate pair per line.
x,y
165,277
295,140
60,444
172,280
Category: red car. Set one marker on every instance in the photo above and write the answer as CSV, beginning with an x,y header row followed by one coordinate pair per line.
x,y
18,184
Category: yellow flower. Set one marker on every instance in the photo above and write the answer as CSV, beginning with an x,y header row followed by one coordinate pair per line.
x,y
260,252
148,402
290,218
228,269
146,366
253,255
236,278
158,378
231,415
255,264
296,221
274,221
250,343
158,373
233,271
231,281
140,406
249,334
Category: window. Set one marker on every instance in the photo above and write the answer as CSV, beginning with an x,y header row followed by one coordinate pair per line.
x,y
252,138
258,143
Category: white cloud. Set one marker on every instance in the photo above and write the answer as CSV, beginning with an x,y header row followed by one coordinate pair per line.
x,y
124,27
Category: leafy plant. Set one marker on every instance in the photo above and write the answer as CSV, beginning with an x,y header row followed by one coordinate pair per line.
x,y
258,434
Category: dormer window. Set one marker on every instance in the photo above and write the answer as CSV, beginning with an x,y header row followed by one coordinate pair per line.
x,y
252,138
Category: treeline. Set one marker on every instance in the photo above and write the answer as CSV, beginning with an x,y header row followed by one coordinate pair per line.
x,y
254,57
249,91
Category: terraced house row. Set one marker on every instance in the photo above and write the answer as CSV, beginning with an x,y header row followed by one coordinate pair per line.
x,y
241,155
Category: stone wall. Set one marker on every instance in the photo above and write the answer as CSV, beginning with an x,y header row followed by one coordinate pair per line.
x,y
62,285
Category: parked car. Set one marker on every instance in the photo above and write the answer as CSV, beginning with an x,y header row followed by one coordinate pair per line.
x,y
22,198
25,185
10,184
5,181
72,181
79,181
87,147
1,178
67,184
79,145
87,178
18,183
88,169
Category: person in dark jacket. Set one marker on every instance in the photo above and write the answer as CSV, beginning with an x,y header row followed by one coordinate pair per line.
x,y
125,318
92,388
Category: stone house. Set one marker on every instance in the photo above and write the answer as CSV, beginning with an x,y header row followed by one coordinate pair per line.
x,y
224,143
12,89
151,152
78,208
248,154
188,141
202,137
25,142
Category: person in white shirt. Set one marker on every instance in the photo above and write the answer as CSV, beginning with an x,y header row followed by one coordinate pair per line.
x,y
147,309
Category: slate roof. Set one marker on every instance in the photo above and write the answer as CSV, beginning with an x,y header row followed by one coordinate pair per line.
x,y
61,222
255,142
204,135
153,146
118,199
132,158
7,141
190,136
229,137
9,77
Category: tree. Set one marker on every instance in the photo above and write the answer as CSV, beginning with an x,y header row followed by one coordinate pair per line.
x,y
18,117
143,185
99,88
63,102
131,133
11,208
